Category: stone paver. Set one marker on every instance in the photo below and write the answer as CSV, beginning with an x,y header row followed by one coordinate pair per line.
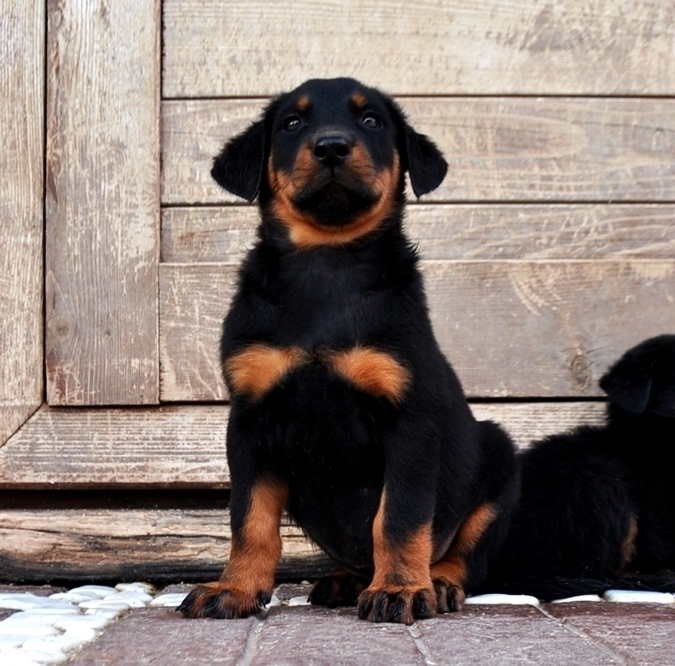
x,y
506,635
643,633
163,637
320,636
500,635
593,633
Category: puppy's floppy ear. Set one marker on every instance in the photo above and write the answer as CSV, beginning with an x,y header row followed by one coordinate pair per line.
x,y
420,155
239,166
628,385
426,165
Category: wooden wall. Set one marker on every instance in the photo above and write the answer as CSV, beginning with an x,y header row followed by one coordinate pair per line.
x,y
548,250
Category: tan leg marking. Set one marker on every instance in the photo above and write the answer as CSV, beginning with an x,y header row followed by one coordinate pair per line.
x,y
628,546
257,368
451,570
253,559
400,566
401,589
373,371
255,553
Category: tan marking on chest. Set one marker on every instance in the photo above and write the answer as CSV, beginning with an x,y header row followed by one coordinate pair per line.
x,y
258,368
373,371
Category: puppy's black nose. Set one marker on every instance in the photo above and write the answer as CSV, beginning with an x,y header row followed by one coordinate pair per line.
x,y
332,150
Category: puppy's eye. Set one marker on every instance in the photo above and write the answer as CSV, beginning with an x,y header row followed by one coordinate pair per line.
x,y
371,120
291,124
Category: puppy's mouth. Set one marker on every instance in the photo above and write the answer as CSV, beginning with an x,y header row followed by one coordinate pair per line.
x,y
335,198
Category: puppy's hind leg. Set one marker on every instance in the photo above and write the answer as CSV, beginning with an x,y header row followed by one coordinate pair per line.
x,y
338,589
465,565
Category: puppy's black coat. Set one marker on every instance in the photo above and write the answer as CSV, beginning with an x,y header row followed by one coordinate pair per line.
x,y
344,411
597,509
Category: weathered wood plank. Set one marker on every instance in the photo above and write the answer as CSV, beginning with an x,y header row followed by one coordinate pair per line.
x,y
102,202
184,446
165,544
193,300
498,149
529,422
22,34
520,328
455,231
257,47
80,448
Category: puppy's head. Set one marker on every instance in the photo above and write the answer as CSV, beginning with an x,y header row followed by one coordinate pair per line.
x,y
643,379
328,159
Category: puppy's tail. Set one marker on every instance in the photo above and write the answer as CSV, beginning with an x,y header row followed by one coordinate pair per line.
x,y
558,587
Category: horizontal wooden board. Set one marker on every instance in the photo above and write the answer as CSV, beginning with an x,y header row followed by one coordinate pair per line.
x,y
184,446
498,149
132,544
510,328
22,52
455,231
78,448
253,47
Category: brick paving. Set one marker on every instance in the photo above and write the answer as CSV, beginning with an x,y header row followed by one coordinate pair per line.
x,y
593,633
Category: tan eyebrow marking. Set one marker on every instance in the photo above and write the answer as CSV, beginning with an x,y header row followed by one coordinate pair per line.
x,y
359,100
303,103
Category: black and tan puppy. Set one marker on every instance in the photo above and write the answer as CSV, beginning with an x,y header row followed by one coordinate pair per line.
x,y
598,504
344,411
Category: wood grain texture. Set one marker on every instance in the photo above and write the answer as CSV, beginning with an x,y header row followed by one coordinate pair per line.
x,y
132,544
102,202
455,231
78,448
184,446
510,328
498,149
192,305
258,47
22,48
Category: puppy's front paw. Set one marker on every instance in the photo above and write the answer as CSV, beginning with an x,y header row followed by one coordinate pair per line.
x,y
223,600
404,605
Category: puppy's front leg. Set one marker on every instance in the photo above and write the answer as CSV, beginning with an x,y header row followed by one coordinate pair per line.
x,y
402,590
248,579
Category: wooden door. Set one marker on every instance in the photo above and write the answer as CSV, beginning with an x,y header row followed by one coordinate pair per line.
x,y
548,250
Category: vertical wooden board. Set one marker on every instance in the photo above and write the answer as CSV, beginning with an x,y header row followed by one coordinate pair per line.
x,y
102,202
22,35
258,47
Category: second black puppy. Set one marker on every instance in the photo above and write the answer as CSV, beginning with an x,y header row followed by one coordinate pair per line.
x,y
598,503
344,410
